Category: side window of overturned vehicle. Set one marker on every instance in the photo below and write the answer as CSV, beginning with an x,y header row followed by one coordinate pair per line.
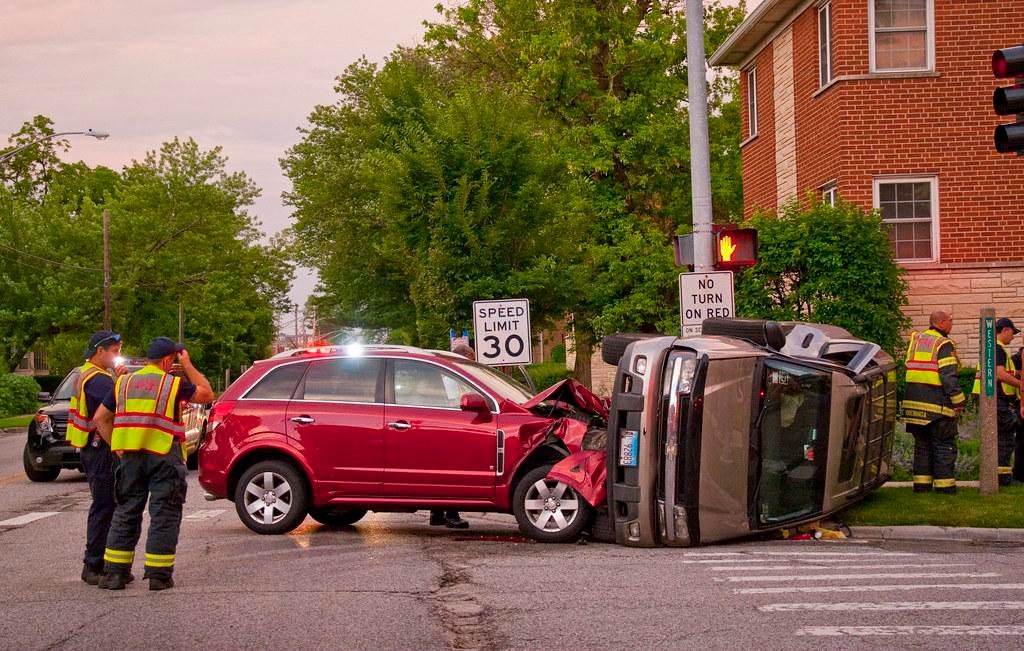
x,y
793,428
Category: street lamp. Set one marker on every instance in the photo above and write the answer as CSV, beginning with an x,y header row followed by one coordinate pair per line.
x,y
98,135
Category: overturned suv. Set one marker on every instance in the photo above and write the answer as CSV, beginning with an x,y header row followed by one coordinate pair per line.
x,y
754,426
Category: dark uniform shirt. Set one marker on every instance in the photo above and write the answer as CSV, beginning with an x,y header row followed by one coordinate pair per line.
x,y
96,391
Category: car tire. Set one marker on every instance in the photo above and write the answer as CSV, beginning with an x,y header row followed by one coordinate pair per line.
x,y
544,521
271,497
613,347
192,461
336,516
49,474
758,331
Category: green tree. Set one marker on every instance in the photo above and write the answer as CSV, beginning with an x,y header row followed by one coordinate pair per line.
x,y
826,264
417,193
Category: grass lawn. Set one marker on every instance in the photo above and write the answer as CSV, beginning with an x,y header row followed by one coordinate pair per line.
x,y
15,421
901,506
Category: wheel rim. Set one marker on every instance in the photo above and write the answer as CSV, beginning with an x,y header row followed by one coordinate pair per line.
x,y
551,506
268,498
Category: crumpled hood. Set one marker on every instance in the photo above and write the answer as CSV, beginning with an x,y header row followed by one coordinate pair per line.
x,y
571,392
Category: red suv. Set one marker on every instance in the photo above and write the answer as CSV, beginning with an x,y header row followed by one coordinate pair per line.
x,y
335,432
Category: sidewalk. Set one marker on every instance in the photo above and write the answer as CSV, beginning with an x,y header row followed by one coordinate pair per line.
x,y
945,534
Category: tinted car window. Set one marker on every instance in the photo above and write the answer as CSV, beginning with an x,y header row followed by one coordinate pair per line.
x,y
279,384
67,387
352,379
425,385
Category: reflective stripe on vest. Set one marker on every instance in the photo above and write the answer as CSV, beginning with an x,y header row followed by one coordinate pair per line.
x,y
922,358
145,411
80,424
1009,390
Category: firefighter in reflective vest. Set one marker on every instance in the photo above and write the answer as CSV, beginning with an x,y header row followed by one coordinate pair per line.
x,y
1007,397
933,403
93,383
141,419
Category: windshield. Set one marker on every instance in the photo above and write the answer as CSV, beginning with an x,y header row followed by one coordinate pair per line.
x,y
67,387
496,381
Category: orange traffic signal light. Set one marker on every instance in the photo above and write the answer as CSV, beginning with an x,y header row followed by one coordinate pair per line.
x,y
735,248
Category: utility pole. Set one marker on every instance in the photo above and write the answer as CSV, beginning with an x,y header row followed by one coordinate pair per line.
x,y
297,344
106,270
700,165
316,335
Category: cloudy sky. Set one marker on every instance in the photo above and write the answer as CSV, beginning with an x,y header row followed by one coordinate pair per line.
x,y
243,74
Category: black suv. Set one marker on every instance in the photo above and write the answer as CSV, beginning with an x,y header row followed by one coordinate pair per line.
x,y
47,451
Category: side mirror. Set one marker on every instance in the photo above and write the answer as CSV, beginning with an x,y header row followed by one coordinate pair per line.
x,y
43,396
474,402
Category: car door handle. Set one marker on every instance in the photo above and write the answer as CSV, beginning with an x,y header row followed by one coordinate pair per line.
x,y
400,425
303,420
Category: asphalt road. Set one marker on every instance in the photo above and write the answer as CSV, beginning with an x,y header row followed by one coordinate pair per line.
x,y
393,582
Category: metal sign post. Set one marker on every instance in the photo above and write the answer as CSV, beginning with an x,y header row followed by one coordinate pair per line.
x,y
987,402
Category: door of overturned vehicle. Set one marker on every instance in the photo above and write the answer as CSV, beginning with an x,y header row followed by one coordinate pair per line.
x,y
754,426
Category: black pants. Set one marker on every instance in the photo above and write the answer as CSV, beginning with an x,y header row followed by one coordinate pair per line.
x,y
935,452
1018,455
1007,421
99,463
160,479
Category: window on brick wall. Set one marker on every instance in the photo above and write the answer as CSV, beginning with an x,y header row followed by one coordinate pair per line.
x,y
909,208
752,102
829,193
825,44
902,35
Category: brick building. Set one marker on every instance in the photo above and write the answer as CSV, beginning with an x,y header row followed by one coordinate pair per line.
x,y
888,104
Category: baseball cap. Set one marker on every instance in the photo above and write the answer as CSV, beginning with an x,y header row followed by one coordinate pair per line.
x,y
101,338
162,347
1006,323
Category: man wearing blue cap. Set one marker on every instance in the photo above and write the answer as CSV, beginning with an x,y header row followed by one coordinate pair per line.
x,y
141,419
93,383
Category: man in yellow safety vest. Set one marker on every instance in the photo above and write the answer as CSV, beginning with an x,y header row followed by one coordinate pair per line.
x,y
92,384
932,404
1007,398
141,419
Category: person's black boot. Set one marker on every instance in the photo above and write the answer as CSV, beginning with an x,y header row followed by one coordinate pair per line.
x,y
922,488
112,581
91,576
437,519
157,583
453,520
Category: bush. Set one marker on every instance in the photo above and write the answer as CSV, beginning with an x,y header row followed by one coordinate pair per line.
x,y
17,394
548,373
826,264
967,457
558,354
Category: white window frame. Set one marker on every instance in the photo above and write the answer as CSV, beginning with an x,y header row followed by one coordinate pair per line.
x,y
826,78
751,103
929,38
829,193
933,182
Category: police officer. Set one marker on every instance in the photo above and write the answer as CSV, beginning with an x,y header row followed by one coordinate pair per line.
x,y
141,419
93,383
933,403
1007,397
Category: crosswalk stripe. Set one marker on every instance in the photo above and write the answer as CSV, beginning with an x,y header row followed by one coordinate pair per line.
x,y
795,553
735,560
204,514
25,519
829,577
859,631
740,568
879,588
894,605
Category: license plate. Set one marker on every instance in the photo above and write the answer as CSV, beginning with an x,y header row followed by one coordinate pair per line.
x,y
629,447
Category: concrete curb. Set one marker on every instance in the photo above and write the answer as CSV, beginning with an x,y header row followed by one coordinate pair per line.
x,y
946,534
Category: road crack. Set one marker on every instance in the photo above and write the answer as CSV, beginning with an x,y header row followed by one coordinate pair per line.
x,y
455,603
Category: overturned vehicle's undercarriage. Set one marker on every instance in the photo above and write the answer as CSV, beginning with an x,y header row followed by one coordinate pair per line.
x,y
752,427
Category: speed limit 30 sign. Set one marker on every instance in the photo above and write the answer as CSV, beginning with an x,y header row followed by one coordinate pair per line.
x,y
502,332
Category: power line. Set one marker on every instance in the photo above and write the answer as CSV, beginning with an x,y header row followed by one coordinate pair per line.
x,y
48,261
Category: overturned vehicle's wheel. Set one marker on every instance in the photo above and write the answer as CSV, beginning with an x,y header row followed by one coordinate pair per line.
x,y
547,510
613,347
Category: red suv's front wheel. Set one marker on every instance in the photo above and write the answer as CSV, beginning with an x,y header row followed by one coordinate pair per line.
x,y
547,510
271,497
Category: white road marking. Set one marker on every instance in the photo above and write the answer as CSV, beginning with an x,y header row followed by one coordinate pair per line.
x,y
204,514
858,631
880,588
895,605
28,517
813,566
739,560
798,553
829,577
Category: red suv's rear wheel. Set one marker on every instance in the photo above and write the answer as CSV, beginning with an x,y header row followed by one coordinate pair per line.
x,y
271,497
548,510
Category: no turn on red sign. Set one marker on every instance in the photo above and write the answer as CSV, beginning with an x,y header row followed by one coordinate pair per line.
x,y
502,332
704,296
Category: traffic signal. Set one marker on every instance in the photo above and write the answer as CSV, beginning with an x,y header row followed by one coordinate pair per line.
x,y
1006,63
735,248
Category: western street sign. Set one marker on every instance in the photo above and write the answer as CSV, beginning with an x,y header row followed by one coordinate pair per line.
x,y
988,334
704,296
502,332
